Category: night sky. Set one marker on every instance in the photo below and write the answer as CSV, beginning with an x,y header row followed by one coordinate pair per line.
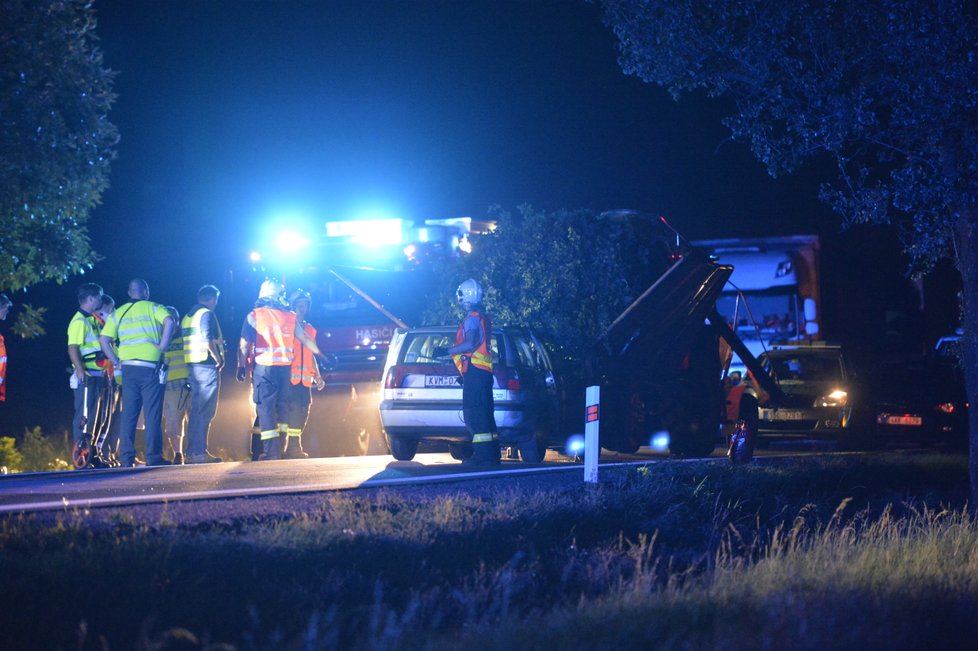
x,y
234,113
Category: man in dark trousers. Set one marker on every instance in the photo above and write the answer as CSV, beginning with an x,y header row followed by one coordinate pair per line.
x,y
473,359
267,346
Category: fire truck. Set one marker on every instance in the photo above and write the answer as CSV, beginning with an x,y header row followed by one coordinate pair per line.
x,y
366,278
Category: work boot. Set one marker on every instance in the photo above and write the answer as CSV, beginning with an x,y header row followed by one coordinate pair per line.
x,y
272,449
293,448
484,455
256,446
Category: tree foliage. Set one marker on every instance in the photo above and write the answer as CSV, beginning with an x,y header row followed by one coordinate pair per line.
x,y
56,141
567,274
887,90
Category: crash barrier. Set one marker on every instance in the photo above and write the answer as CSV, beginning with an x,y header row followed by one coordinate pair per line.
x,y
591,446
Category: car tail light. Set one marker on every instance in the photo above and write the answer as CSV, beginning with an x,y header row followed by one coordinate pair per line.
x,y
947,407
509,379
393,378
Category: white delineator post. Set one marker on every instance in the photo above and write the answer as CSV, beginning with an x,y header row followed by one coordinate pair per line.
x,y
592,448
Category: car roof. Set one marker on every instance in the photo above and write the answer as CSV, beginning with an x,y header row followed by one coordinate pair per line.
x,y
441,329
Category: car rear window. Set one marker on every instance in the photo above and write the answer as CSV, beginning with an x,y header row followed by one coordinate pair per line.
x,y
419,348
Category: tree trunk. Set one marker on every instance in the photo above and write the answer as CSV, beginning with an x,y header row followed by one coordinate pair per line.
x,y
967,254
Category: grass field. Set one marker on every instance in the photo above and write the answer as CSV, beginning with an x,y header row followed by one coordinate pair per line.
x,y
868,552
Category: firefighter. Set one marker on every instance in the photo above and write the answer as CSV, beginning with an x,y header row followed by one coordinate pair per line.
x,y
203,345
305,375
176,396
5,304
143,330
87,378
266,345
473,359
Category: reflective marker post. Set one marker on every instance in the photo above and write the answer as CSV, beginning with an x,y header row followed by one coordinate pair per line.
x,y
592,448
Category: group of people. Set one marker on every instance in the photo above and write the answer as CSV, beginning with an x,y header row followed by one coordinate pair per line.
x,y
143,362
138,360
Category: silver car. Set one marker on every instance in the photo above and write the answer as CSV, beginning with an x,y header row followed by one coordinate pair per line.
x,y
422,395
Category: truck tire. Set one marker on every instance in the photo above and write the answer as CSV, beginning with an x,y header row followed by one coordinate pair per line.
x,y
402,448
460,451
533,449
696,437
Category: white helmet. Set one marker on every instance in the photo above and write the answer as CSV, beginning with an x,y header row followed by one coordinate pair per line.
x,y
469,292
271,289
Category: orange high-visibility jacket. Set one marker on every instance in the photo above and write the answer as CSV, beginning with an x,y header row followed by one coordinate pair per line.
x,y
480,357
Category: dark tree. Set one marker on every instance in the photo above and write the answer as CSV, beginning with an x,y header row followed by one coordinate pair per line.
x,y
567,274
55,138
885,89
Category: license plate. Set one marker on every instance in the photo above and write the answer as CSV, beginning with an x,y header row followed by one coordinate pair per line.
x,y
915,421
782,414
442,381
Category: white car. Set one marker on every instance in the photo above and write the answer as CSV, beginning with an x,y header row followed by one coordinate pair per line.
x,y
422,393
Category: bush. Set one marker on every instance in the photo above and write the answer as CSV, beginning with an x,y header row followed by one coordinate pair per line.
x,y
40,454
10,458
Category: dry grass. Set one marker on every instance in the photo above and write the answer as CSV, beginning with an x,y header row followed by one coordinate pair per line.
x,y
853,552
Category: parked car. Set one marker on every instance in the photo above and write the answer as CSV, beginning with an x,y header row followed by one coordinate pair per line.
x,y
422,395
922,401
822,399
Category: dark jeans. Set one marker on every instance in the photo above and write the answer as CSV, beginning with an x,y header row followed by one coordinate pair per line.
x,y
477,404
141,389
205,384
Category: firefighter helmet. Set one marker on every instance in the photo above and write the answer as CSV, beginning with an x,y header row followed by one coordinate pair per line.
x,y
469,292
300,295
271,289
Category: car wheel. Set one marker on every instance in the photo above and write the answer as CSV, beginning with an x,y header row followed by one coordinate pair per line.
x,y
402,448
460,451
532,450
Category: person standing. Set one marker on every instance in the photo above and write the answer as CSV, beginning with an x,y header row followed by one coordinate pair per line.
x,y
176,396
203,347
266,345
143,330
107,428
87,376
305,374
473,360
5,304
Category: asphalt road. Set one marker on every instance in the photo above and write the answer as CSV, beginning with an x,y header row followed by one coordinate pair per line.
x,y
30,492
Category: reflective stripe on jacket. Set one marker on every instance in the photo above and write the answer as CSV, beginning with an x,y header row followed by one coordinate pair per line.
x,y
274,333
304,363
176,360
480,357
196,344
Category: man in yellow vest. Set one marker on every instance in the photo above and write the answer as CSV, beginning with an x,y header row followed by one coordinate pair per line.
x,y
305,375
203,346
87,378
176,397
267,343
143,329
473,359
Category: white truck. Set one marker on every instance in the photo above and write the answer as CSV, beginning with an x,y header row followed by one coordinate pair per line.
x,y
773,295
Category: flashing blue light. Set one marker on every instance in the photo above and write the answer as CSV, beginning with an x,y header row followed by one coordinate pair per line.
x,y
290,242
659,441
372,232
575,444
